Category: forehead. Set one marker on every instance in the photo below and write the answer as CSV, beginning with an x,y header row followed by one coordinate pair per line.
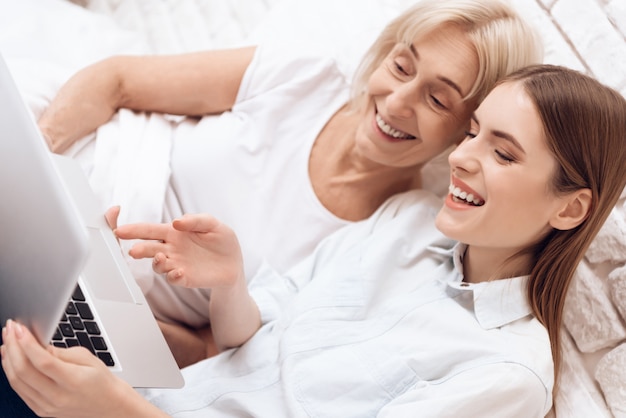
x,y
449,55
508,108
508,101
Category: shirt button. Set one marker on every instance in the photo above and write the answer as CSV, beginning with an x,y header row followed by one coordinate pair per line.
x,y
464,284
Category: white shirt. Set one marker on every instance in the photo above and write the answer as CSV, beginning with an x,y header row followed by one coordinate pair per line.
x,y
378,323
249,168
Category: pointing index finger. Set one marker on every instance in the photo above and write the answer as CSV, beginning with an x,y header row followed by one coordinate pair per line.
x,y
143,231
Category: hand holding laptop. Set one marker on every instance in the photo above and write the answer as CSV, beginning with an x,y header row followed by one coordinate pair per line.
x,y
196,250
46,378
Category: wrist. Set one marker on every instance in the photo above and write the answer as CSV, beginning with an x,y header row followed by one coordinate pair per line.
x,y
234,316
230,291
132,404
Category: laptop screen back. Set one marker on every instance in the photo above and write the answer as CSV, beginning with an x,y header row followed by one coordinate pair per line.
x,y
43,244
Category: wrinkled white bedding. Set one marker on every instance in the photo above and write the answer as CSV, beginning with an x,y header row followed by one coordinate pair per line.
x,y
45,41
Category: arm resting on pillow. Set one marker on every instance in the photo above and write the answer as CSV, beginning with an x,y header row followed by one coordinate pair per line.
x,y
194,84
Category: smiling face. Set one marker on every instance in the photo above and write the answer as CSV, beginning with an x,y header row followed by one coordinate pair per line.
x,y
416,109
505,168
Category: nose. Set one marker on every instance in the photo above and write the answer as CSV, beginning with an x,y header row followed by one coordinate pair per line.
x,y
402,100
465,156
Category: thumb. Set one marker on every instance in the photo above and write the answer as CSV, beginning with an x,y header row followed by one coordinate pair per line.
x,y
111,216
74,355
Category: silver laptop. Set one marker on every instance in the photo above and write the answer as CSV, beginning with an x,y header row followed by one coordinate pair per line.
x,y
62,272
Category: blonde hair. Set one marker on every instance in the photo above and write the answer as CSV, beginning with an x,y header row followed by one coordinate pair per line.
x,y
502,40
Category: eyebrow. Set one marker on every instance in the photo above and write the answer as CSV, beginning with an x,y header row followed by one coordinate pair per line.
x,y
504,135
439,77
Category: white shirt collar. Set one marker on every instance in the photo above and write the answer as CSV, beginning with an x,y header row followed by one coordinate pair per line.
x,y
496,302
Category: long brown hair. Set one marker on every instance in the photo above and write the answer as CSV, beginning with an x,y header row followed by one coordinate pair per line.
x,y
585,128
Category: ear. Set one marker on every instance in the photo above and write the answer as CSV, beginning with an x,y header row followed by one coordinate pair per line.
x,y
574,210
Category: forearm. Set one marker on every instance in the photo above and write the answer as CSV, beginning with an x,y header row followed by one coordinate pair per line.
x,y
194,84
86,101
234,315
131,404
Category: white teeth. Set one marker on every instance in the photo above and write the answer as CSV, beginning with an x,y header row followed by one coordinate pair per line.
x,y
462,195
389,130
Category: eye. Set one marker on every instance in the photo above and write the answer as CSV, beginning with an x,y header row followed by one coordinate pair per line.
x,y
437,102
470,135
400,68
400,62
507,159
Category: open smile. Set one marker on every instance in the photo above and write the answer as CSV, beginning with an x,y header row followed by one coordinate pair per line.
x,y
390,130
461,193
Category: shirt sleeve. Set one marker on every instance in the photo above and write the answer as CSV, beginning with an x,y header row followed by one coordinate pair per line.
x,y
492,390
272,291
287,68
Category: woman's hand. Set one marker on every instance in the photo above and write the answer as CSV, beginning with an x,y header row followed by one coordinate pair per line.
x,y
193,251
111,216
68,382
200,251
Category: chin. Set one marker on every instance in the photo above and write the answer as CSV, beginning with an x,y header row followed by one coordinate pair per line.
x,y
440,224
367,149
447,226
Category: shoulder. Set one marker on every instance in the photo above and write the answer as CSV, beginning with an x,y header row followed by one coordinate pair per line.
x,y
529,345
499,389
512,387
410,204
280,66
406,218
410,217
524,365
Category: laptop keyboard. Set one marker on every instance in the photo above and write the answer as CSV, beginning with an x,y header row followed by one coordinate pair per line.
x,y
78,327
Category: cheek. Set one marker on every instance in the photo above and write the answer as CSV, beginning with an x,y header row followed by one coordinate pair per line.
x,y
458,134
446,128
438,132
458,123
525,211
376,82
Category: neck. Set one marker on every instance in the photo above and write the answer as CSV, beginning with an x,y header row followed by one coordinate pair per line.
x,y
483,264
346,162
347,183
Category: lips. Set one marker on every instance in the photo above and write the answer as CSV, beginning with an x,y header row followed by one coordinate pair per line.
x,y
462,193
391,131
